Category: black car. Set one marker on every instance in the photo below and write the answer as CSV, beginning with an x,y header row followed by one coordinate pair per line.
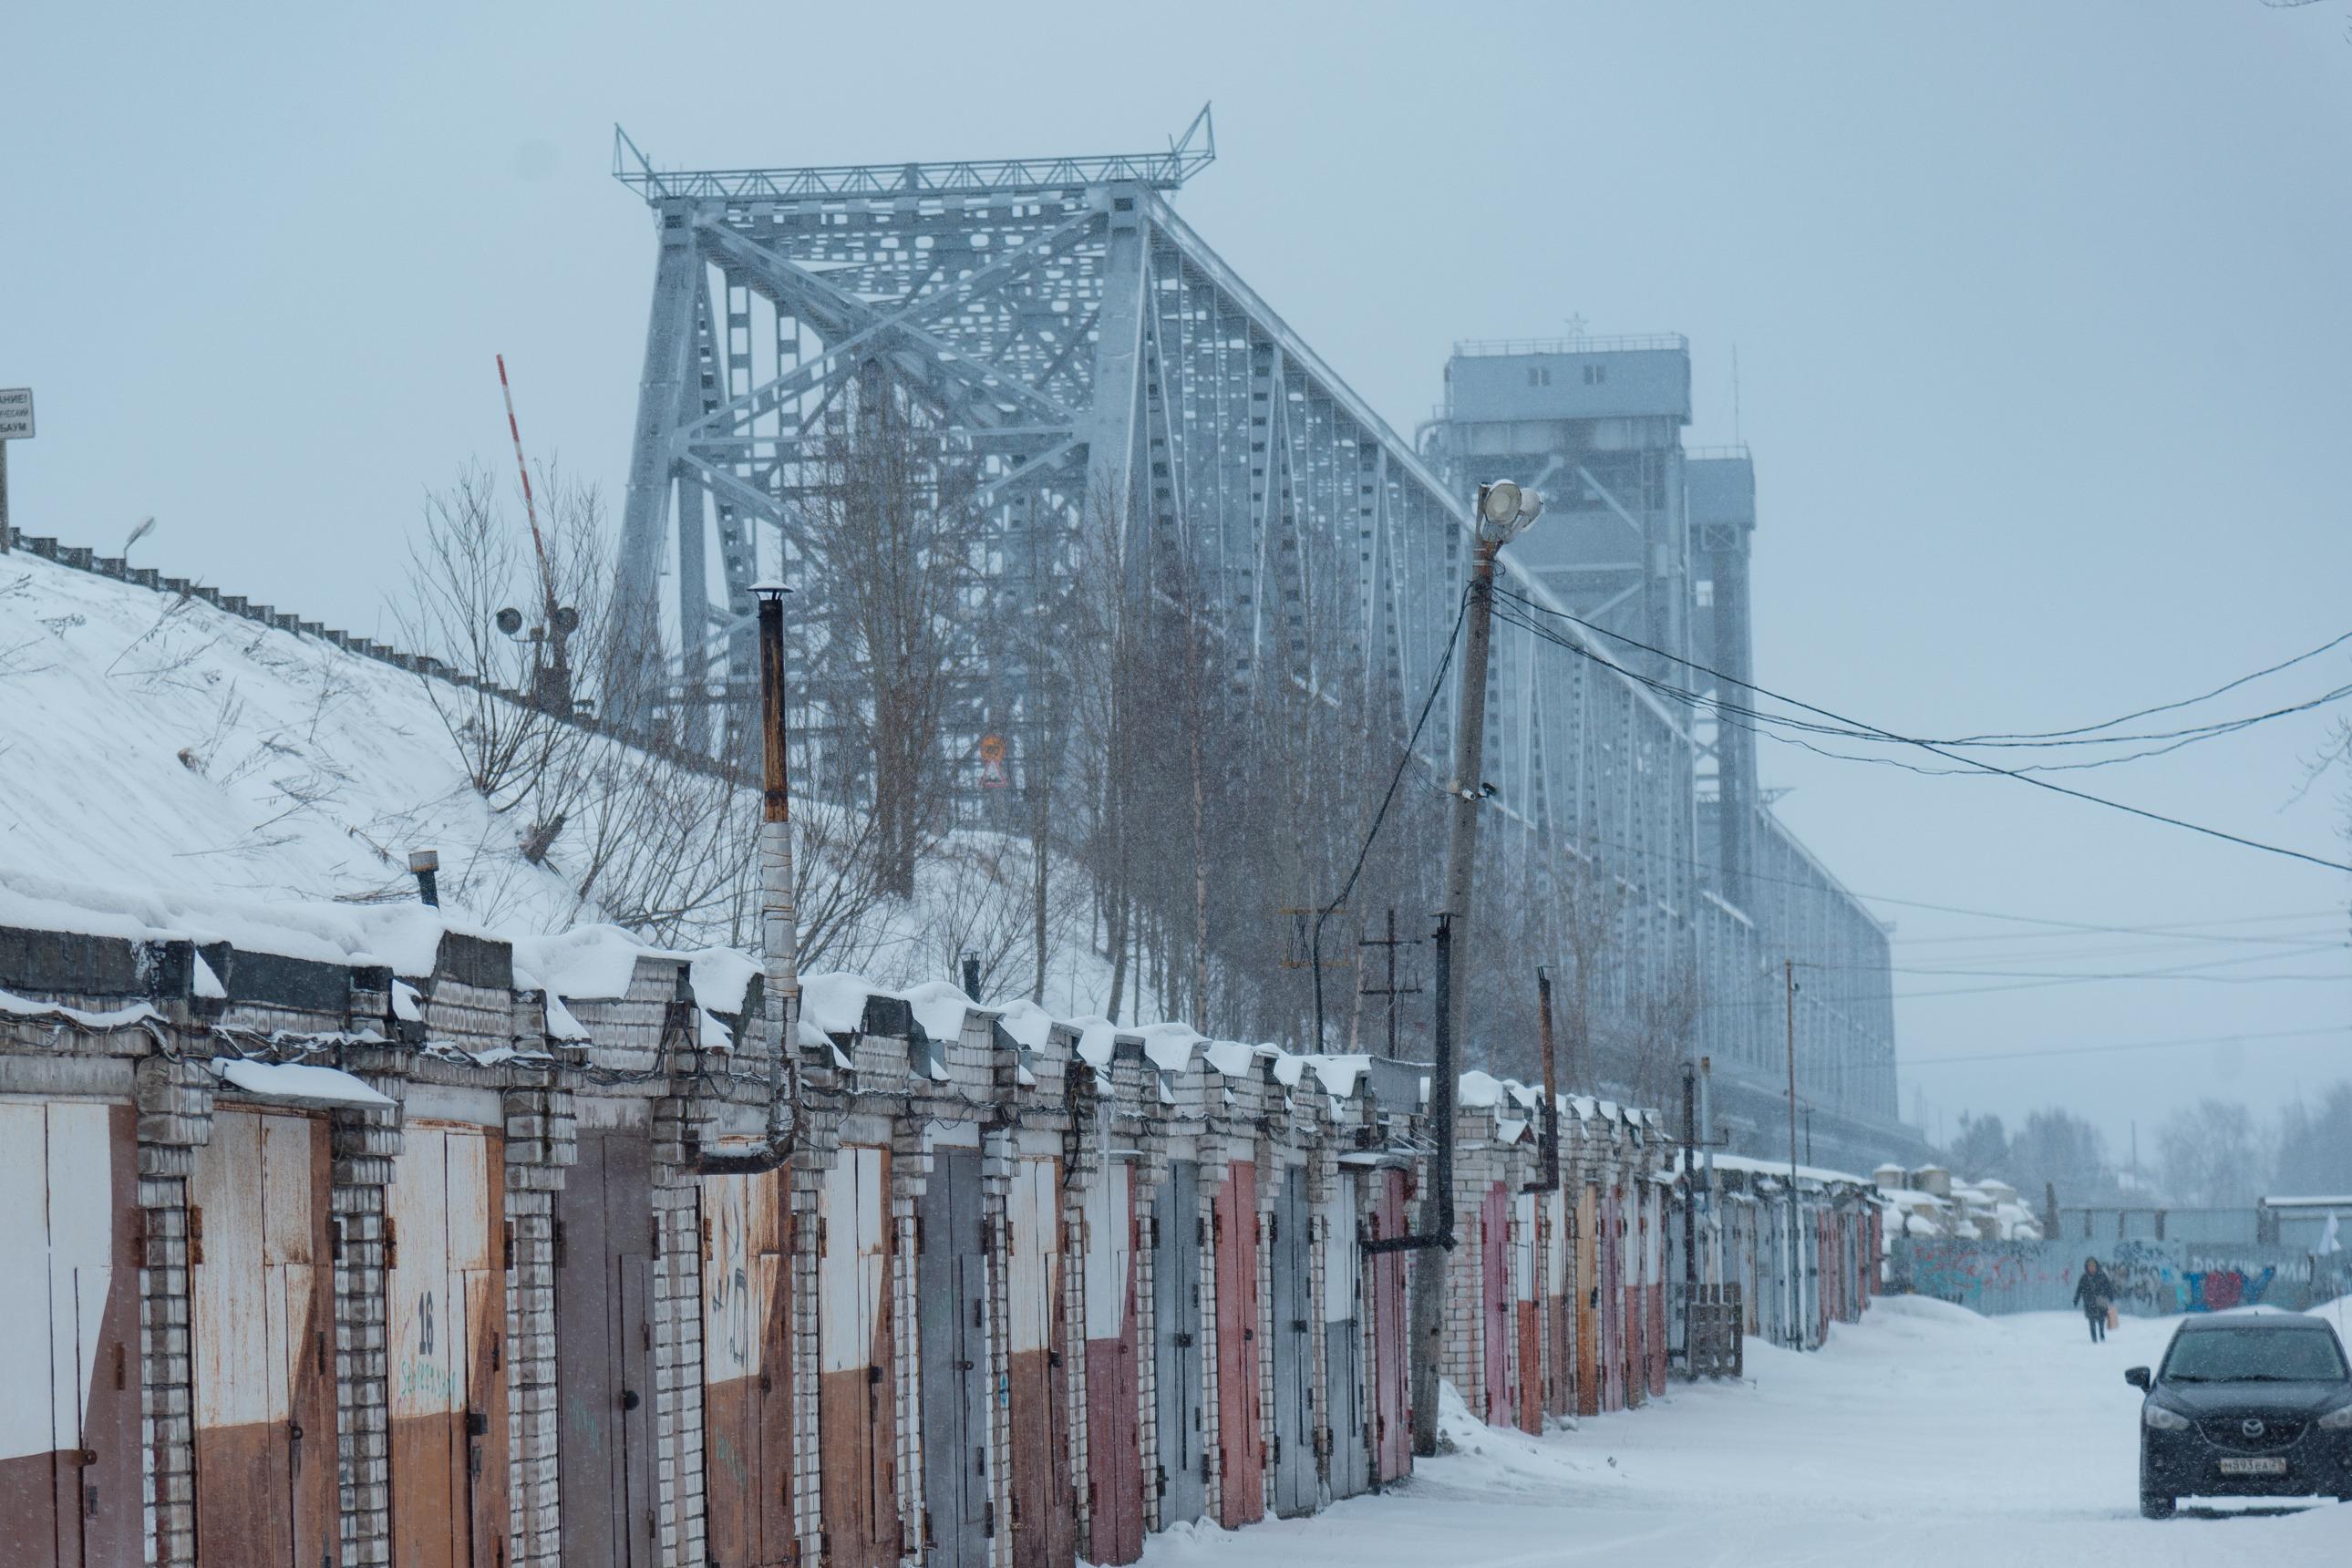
x,y
2245,1405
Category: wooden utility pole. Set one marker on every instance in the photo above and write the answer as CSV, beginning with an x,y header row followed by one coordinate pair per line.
x,y
1503,510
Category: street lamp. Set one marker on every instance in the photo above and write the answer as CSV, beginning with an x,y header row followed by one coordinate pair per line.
x,y
1505,509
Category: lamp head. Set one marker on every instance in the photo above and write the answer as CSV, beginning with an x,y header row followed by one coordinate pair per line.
x,y
1505,507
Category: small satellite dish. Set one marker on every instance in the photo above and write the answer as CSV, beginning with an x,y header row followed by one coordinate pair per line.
x,y
509,621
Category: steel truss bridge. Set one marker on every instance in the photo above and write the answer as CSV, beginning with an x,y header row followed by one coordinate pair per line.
x,y
1101,367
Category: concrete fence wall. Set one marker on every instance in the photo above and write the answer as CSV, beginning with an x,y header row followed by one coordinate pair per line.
x,y
2154,1278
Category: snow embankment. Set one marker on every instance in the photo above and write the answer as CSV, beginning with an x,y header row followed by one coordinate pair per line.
x,y
159,742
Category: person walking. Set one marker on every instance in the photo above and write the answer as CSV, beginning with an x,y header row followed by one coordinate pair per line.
x,y
2093,1292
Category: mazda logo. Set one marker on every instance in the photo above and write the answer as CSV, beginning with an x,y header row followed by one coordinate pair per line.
x,y
2250,1427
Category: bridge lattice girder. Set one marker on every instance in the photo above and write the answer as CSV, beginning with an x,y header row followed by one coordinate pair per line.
x,y
1081,341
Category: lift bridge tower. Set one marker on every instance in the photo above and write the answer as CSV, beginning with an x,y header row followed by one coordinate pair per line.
x,y
998,308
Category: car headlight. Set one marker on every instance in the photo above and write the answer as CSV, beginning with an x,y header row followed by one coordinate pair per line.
x,y
2338,1420
2159,1419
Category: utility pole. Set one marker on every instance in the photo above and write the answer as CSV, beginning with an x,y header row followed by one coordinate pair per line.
x,y
1391,943
1796,1271
1503,510
1690,1211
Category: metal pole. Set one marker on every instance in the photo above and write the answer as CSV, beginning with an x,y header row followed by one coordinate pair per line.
x,y
4,497
1550,1181
1690,1209
1796,1286
1453,1011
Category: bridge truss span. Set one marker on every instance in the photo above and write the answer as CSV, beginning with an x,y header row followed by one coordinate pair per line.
x,y
1116,392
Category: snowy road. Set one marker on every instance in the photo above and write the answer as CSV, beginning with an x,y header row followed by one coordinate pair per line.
x,y
1923,1435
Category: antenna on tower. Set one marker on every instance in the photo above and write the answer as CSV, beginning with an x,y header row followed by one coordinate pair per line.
x,y
1735,392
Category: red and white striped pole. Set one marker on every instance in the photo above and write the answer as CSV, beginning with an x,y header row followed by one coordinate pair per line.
x,y
560,653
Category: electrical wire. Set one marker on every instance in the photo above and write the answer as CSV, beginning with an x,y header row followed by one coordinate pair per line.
x,y
2078,735
2265,1037
1371,833
1931,748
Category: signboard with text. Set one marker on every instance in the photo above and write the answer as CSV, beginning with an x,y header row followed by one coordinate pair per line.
x,y
16,413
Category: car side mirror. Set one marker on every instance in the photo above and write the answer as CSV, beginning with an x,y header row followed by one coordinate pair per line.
x,y
2138,1377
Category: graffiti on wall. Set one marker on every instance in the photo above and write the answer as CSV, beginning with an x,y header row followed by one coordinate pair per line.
x,y
2151,1278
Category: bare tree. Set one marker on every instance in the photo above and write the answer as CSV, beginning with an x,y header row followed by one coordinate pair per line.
x,y
894,547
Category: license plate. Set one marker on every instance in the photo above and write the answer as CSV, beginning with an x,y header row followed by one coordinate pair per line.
x,y
2253,1467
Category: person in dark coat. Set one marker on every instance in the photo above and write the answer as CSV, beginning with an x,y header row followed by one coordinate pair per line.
x,y
2092,1291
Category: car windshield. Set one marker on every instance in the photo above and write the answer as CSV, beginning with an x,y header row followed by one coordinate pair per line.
x,y
2254,1355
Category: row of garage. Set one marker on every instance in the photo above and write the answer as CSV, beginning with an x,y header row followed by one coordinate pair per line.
x,y
342,1263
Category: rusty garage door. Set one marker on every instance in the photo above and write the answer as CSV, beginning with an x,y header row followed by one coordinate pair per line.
x,y
1113,1450
1177,1239
1385,1299
603,1351
70,1470
856,1405
1527,1383
445,1304
747,1434
1494,1290
951,1276
1039,1405
1588,1301
1560,1306
1343,1341
1241,1440
1290,1280
262,1319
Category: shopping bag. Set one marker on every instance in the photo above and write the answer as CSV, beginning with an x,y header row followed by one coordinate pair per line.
x,y
2114,1317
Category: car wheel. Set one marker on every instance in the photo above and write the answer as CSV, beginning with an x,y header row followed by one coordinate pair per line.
x,y
2152,1506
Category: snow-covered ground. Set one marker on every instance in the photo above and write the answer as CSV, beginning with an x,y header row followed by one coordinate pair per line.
x,y
1924,1435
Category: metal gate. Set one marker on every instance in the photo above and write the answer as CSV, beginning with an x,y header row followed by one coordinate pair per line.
x,y
603,1351
1495,1302
747,1369
856,1405
1612,1300
1558,1305
1043,1512
951,1269
1241,1423
1114,1446
1654,1286
446,1310
1527,1386
1349,1445
1178,1414
1588,1251
1392,1408
260,1305
1290,1277
69,1464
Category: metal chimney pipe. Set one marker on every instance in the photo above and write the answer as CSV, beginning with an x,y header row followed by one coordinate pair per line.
x,y
424,865
779,916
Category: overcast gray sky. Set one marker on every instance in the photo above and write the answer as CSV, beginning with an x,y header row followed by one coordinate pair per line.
x,y
2041,316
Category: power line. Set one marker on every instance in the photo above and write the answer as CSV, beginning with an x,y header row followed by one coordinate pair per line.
x,y
2170,707
1364,851
2264,1037
2075,929
2303,951
1929,747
